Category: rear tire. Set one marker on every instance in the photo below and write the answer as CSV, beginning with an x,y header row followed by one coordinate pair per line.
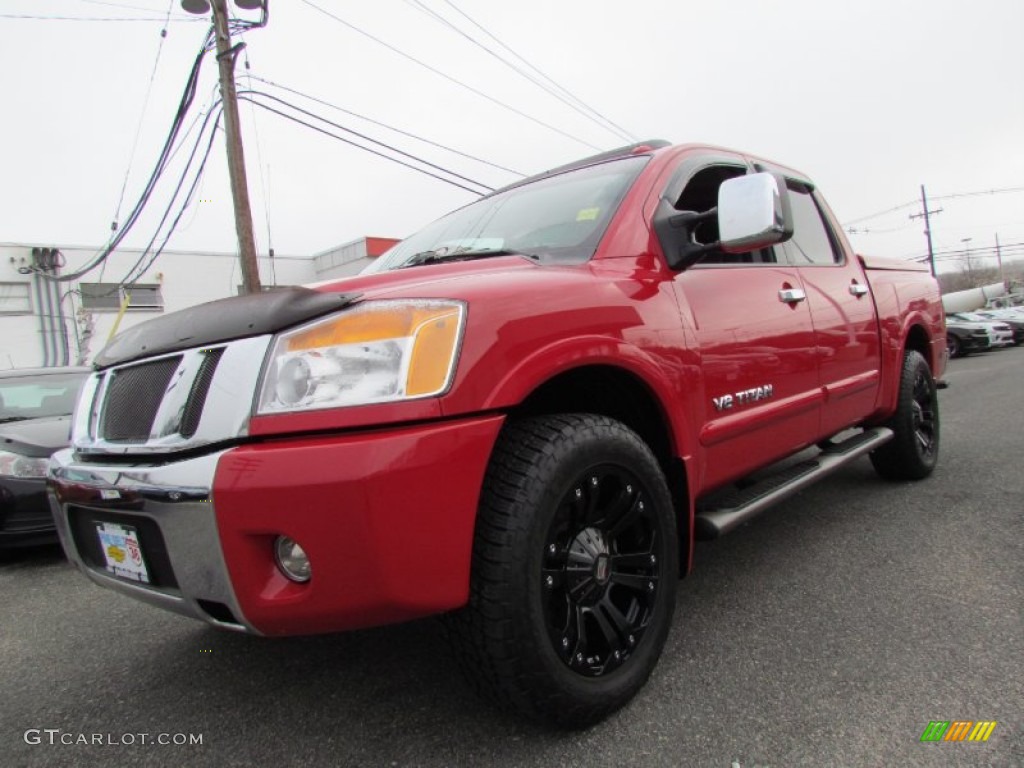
x,y
574,571
954,346
914,449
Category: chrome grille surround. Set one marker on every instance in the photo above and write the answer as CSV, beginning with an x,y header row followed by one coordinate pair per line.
x,y
226,404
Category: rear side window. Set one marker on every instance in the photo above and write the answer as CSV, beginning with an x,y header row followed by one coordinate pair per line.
x,y
811,244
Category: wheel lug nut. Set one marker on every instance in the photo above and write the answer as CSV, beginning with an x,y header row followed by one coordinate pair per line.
x,y
579,658
617,655
653,559
579,493
650,586
549,581
593,481
632,640
640,506
565,642
552,548
629,489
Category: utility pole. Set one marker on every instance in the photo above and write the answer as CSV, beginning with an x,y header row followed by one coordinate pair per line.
x,y
236,159
927,227
999,259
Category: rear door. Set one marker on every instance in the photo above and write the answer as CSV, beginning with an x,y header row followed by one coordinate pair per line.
x,y
842,310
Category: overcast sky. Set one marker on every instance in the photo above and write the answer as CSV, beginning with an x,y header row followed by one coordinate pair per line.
x,y
871,99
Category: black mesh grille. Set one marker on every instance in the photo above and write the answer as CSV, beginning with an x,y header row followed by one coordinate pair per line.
x,y
133,398
200,387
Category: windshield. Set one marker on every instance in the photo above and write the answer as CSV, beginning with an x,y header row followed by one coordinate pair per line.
x,y
560,218
38,396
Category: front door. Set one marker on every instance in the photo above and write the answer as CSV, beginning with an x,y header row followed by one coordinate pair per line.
x,y
761,398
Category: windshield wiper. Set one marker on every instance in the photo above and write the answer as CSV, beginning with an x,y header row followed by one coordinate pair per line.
x,y
459,254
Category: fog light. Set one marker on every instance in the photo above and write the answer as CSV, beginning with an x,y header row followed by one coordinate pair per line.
x,y
292,559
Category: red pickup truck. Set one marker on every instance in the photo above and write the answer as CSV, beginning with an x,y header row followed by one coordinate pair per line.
x,y
521,417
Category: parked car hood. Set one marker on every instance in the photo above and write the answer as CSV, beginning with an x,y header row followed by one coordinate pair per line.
x,y
36,438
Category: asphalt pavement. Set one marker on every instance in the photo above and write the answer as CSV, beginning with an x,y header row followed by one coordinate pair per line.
x,y
827,632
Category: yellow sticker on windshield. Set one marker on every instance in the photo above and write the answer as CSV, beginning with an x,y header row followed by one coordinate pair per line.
x,y
587,214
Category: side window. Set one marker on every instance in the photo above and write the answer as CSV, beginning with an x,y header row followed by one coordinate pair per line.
x,y
811,242
700,195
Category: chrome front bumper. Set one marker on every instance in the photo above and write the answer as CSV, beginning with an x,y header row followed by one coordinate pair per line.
x,y
171,505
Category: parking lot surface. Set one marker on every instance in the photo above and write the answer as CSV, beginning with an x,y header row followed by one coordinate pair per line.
x,y
828,632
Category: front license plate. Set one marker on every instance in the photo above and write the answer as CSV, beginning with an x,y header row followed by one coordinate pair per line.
x,y
120,545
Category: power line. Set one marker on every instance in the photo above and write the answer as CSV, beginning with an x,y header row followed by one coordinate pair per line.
x,y
364,137
243,95
979,193
142,116
901,206
135,271
573,103
259,164
448,77
124,7
866,231
564,90
389,127
93,18
184,104
982,252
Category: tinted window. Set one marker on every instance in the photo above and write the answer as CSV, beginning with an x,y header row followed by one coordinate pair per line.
x,y
811,243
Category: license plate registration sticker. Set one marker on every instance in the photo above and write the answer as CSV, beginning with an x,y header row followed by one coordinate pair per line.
x,y
120,545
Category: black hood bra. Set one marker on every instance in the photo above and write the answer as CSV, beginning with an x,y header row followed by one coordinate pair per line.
x,y
237,317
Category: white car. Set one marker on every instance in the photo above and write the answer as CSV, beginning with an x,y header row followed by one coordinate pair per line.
x,y
1000,334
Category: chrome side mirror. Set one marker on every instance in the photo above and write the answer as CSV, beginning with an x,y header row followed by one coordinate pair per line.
x,y
753,213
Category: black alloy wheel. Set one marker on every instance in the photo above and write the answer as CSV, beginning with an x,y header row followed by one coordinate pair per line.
x,y
924,411
914,449
601,571
574,570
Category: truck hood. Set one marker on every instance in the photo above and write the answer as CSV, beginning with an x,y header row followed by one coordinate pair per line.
x,y
240,317
429,279
37,438
968,325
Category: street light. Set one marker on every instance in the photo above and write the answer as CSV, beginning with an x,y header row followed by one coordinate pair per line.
x,y
967,257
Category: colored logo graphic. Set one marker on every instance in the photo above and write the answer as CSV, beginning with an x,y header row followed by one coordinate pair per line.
x,y
958,730
116,553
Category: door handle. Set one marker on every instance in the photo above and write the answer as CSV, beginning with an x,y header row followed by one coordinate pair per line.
x,y
791,295
858,290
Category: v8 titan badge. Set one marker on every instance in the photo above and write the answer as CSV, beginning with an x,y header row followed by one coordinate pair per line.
x,y
121,550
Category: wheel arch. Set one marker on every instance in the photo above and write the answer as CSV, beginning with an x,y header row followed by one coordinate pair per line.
x,y
913,336
917,338
625,396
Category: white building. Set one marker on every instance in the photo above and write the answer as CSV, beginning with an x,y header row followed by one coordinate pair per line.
x,y
45,322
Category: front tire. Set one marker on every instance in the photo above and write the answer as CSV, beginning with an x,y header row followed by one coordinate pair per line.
x,y
574,570
914,449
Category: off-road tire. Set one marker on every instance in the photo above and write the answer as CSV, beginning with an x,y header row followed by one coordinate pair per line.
x,y
954,346
557,490
914,450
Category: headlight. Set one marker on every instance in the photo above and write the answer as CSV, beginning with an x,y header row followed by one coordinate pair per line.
x,y
16,465
376,352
